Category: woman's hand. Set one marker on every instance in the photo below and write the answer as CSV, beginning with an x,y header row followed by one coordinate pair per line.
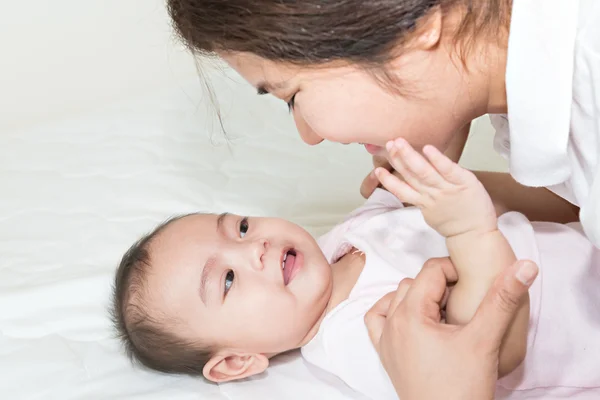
x,y
428,359
370,183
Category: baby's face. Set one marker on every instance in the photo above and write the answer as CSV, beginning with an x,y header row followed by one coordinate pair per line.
x,y
244,284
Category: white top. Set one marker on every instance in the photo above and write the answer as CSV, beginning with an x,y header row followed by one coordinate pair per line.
x,y
553,94
563,350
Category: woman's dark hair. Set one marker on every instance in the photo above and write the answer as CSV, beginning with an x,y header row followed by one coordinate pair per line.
x,y
312,32
149,338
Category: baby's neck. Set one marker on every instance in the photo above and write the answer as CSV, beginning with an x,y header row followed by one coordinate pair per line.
x,y
345,273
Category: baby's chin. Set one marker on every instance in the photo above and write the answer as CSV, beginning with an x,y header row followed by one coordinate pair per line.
x,y
273,355
301,335
286,350
281,351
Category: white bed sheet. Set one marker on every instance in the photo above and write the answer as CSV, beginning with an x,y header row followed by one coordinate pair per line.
x,y
77,193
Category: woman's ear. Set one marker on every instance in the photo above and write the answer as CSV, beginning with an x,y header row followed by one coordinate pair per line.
x,y
227,367
428,32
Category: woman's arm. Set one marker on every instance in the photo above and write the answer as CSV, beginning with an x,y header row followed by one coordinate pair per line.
x,y
537,204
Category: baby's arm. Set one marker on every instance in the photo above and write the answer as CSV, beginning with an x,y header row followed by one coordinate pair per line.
x,y
456,205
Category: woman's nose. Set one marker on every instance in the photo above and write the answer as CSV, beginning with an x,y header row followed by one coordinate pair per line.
x,y
307,134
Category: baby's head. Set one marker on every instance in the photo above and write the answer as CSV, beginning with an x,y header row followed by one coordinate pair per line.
x,y
218,295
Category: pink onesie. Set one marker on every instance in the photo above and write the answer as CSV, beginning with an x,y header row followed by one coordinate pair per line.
x,y
563,354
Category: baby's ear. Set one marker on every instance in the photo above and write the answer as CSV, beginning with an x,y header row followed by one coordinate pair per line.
x,y
227,367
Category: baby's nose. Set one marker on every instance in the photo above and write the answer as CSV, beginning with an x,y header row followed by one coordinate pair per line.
x,y
260,249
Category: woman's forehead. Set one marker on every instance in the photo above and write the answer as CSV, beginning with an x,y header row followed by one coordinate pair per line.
x,y
256,69
276,76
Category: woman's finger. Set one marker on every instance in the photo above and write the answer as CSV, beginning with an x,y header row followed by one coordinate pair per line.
x,y
368,185
400,293
381,162
428,290
498,308
376,317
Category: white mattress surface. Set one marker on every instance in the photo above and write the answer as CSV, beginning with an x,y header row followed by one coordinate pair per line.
x,y
77,193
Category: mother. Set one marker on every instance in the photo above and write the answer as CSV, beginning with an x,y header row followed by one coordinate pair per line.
x,y
355,71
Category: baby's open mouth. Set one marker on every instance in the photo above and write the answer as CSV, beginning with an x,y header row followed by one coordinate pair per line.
x,y
287,265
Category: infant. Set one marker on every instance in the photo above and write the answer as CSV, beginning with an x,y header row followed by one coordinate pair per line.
x,y
218,296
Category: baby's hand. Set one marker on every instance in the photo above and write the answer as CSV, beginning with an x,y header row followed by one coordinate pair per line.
x,y
452,199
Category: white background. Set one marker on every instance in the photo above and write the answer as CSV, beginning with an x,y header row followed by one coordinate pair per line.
x,y
61,58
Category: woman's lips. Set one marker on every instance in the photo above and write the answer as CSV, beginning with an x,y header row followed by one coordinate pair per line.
x,y
373,149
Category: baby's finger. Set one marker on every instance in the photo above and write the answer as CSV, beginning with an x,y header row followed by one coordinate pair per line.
x,y
417,164
398,165
405,173
449,170
402,190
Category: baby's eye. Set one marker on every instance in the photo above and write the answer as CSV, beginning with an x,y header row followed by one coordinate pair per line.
x,y
244,227
229,280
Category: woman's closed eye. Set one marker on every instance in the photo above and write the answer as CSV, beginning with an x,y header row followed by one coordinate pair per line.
x,y
291,103
229,281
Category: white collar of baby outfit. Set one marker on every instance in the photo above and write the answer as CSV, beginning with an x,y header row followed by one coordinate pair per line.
x,y
539,78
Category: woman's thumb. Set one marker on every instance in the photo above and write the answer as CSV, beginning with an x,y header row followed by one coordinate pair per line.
x,y
375,318
498,308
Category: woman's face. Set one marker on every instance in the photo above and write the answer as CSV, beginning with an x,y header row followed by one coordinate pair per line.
x,y
346,104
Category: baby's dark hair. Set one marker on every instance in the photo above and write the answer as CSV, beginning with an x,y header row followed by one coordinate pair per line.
x,y
148,337
312,32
